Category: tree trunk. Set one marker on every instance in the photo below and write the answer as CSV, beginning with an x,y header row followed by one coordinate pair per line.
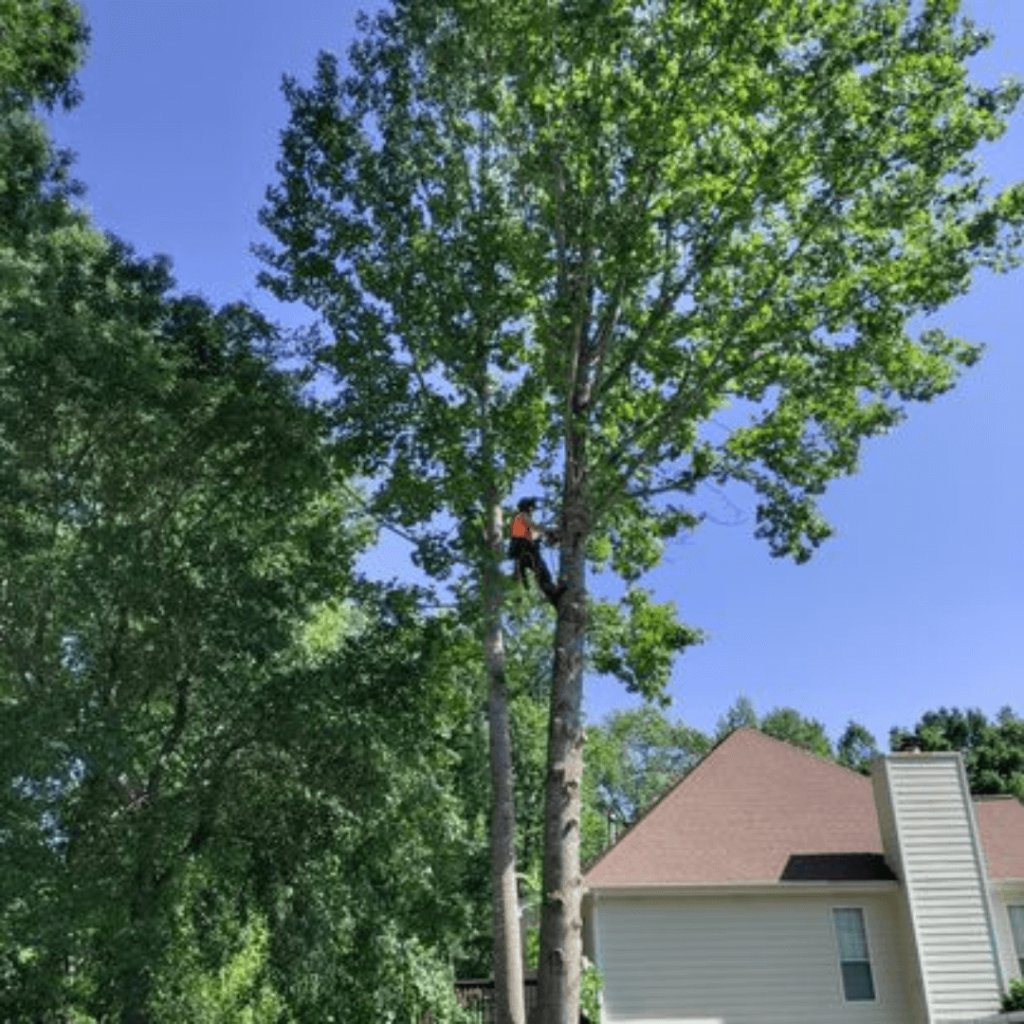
x,y
508,960
561,935
138,956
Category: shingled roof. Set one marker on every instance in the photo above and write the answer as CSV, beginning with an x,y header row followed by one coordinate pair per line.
x,y
740,815
1001,824
758,810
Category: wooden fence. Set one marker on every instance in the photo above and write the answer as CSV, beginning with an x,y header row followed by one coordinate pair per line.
x,y
477,996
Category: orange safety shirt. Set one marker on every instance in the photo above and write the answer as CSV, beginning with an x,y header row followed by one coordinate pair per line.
x,y
521,526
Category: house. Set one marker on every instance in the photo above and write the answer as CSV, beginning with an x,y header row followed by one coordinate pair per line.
x,y
770,886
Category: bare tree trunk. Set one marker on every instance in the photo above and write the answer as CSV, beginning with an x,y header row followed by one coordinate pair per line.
x,y
508,960
561,937
561,931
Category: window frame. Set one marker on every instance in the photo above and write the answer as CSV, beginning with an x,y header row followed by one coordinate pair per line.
x,y
834,922
1018,948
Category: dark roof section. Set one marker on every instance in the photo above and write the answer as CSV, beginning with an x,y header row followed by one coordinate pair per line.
x,y
837,867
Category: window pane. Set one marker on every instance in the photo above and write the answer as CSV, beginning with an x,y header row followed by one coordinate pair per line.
x,y
857,983
1017,924
853,943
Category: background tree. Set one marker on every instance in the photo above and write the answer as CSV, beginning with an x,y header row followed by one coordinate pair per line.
x,y
993,751
789,725
632,758
222,797
41,49
856,748
697,236
159,540
785,724
740,715
207,760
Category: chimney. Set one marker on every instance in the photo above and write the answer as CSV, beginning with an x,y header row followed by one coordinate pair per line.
x,y
910,745
930,838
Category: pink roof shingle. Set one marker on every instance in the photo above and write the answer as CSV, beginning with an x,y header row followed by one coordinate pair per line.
x,y
1001,824
753,803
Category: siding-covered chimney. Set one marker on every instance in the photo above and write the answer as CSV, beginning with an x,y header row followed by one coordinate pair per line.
x,y
931,843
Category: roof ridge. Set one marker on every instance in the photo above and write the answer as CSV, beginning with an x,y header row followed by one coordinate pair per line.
x,y
821,759
665,793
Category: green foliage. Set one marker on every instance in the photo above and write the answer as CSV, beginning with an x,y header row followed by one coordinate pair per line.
x,y
1014,999
41,47
591,984
741,715
720,209
236,989
789,725
856,748
993,751
224,793
160,548
375,882
636,641
631,759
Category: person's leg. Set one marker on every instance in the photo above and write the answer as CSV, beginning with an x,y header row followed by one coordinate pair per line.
x,y
543,576
524,565
520,561
544,580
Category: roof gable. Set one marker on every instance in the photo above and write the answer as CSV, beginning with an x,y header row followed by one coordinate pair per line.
x,y
740,815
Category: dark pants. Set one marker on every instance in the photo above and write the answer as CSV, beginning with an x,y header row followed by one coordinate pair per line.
x,y
526,554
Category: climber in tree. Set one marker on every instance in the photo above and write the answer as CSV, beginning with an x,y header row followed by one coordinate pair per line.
x,y
525,551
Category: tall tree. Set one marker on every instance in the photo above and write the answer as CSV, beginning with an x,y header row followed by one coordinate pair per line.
x,y
221,795
394,167
669,243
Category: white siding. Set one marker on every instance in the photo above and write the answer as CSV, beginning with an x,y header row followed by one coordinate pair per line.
x,y
744,960
945,884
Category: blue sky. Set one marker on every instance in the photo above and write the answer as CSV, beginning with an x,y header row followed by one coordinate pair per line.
x,y
917,602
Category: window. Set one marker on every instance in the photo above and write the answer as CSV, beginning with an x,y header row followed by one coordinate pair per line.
x,y
1017,927
852,940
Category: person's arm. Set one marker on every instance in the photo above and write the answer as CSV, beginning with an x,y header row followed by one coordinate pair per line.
x,y
545,533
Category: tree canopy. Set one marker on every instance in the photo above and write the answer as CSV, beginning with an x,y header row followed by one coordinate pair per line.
x,y
221,796
633,249
732,210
